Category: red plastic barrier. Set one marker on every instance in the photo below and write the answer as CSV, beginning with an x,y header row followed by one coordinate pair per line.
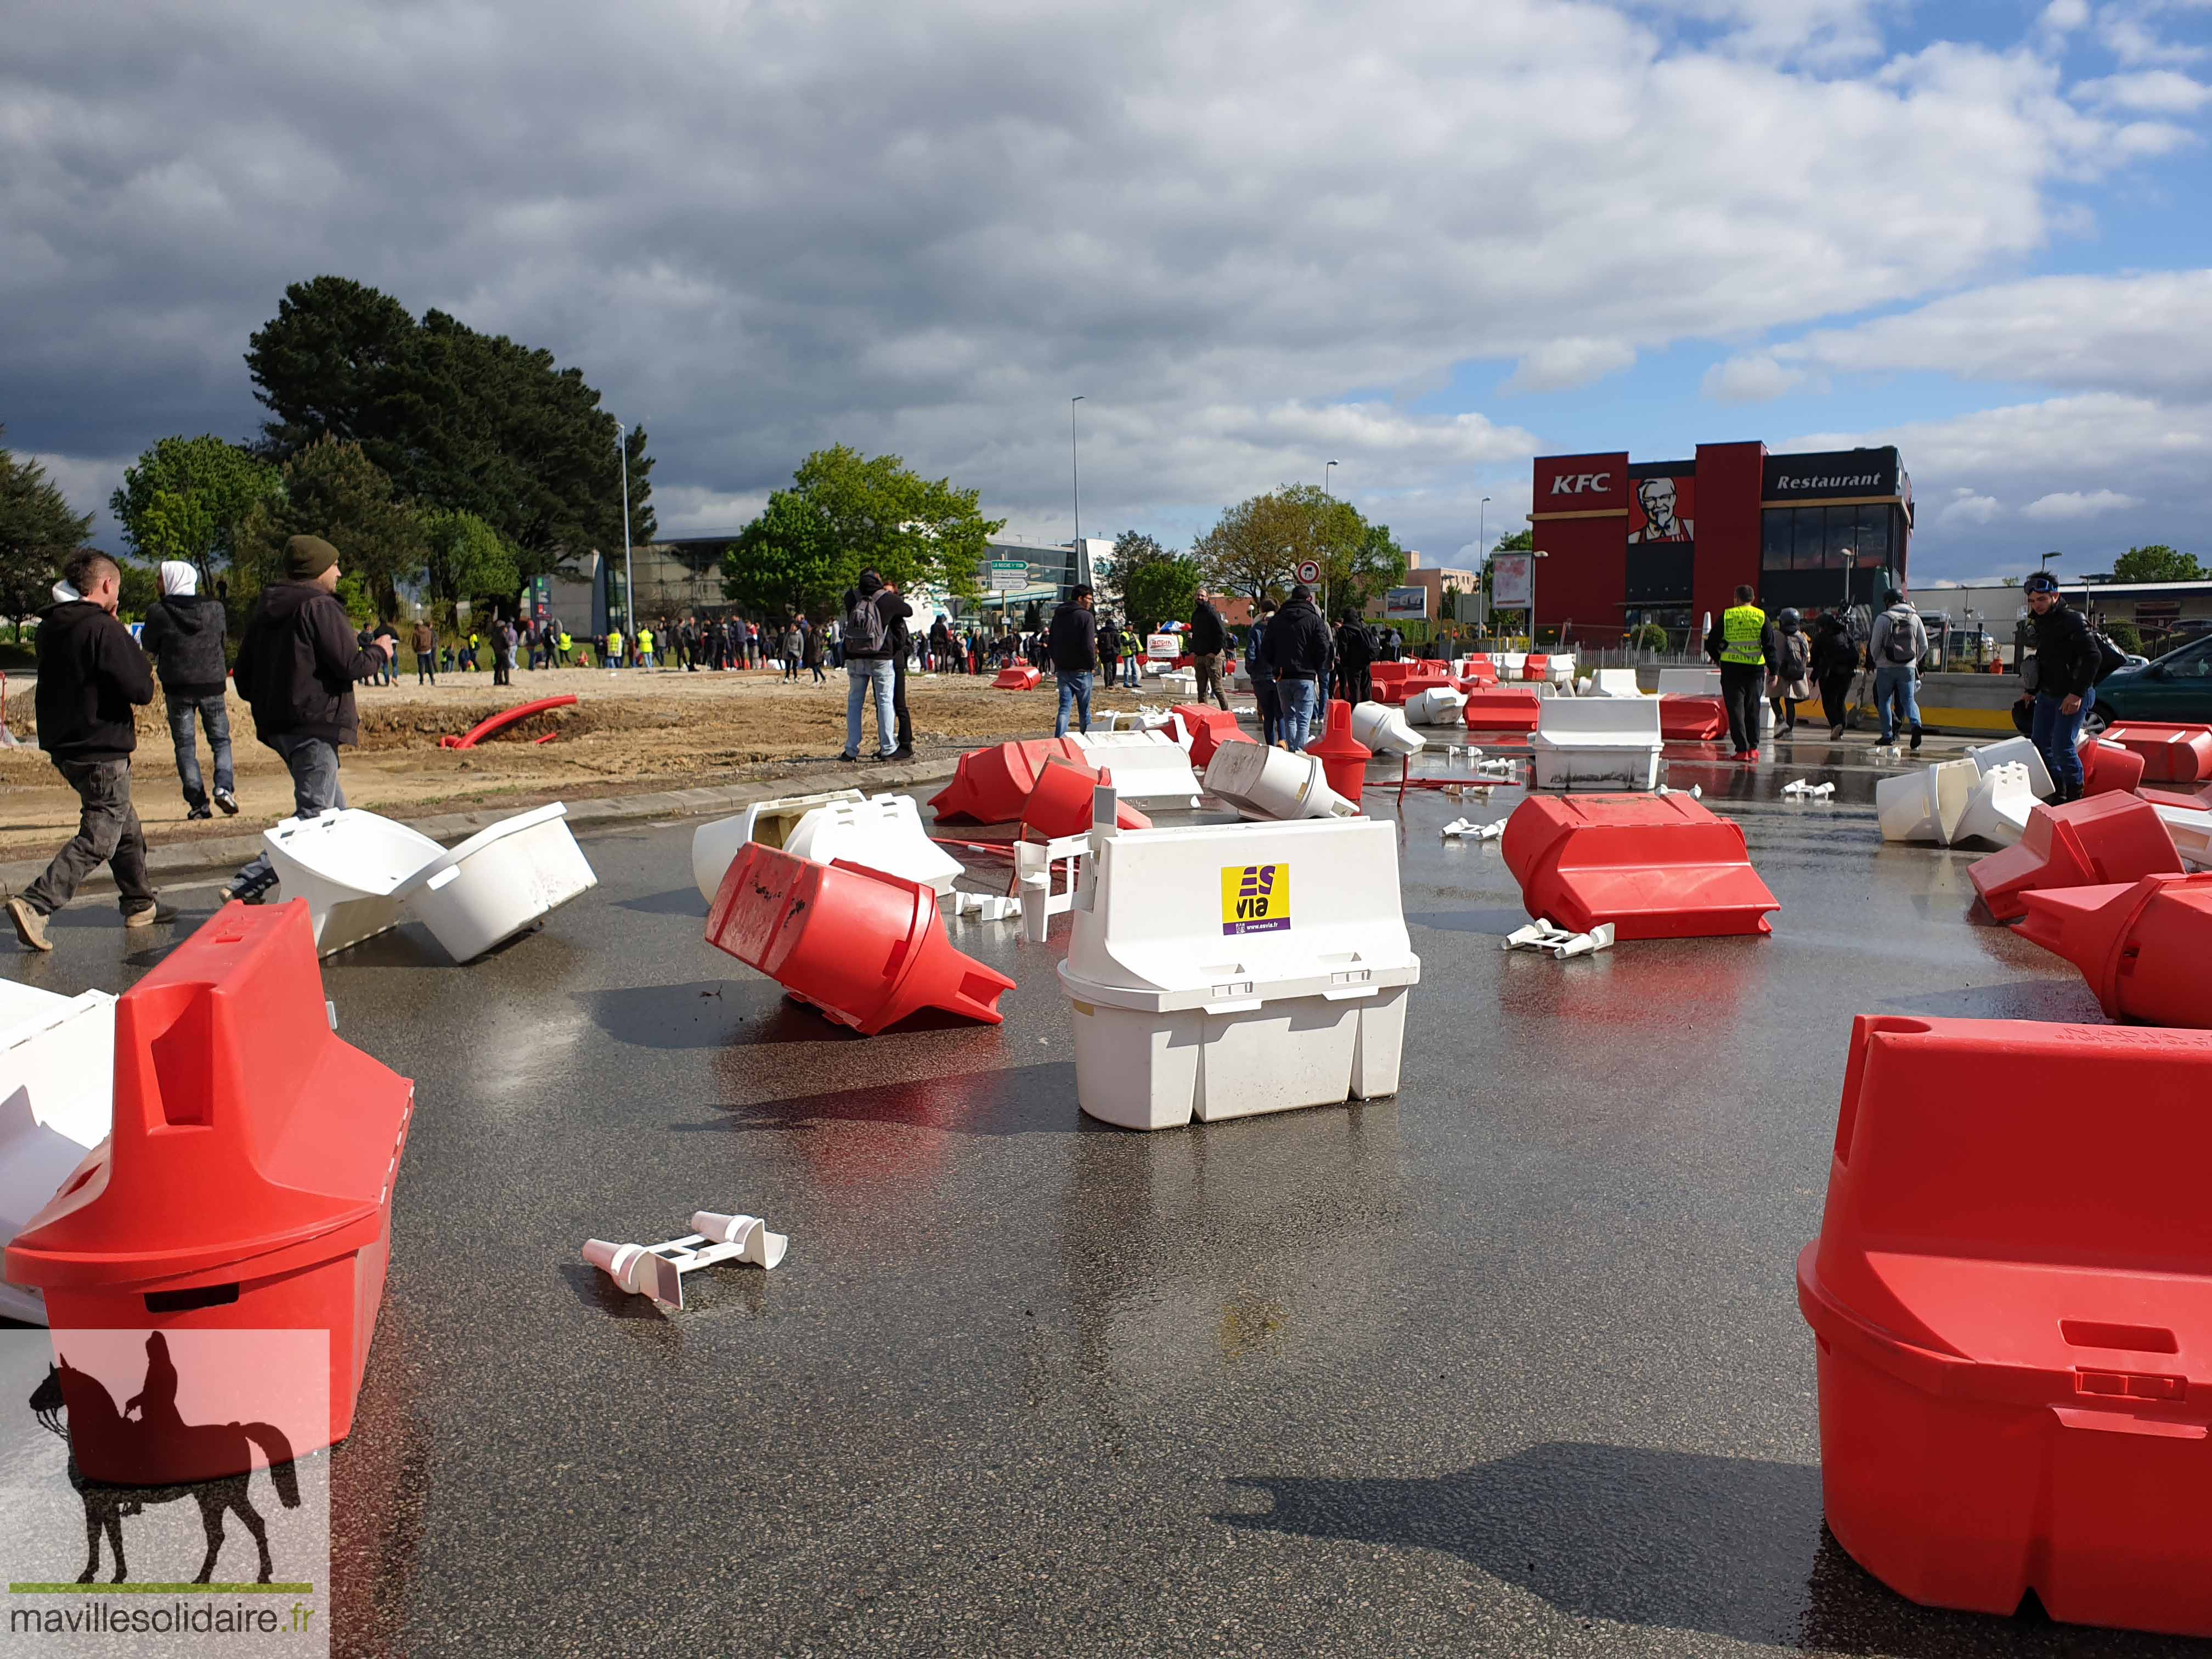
x,y
1656,866
1480,677
1209,728
246,1186
2011,1292
1409,685
1432,665
1017,679
2199,802
2084,843
1479,660
865,948
991,784
2170,754
2109,769
1387,673
1059,804
2146,949
504,719
1691,720
1501,708
1538,668
1343,757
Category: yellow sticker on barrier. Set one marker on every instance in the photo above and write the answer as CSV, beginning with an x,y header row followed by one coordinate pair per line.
x,y
1255,898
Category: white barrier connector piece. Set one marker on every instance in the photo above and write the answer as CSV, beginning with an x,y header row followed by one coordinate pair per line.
x,y
1887,753
1467,830
657,1270
757,1247
1806,789
1542,935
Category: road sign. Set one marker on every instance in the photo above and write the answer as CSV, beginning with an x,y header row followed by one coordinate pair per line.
x,y
1009,575
1309,571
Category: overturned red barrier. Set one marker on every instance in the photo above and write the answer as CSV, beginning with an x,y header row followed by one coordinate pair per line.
x,y
1060,803
1343,757
1501,708
1656,866
2100,839
2109,769
506,717
2013,1304
1209,727
1534,667
1691,720
991,784
1387,674
865,948
2170,754
245,1188
2145,948
2198,801
1017,679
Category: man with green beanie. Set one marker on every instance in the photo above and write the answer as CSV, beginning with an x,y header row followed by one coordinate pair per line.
x,y
296,668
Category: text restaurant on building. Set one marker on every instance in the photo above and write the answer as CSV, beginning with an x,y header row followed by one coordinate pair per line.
x,y
1666,542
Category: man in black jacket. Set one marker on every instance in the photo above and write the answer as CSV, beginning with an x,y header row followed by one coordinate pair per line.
x,y
1297,648
1355,658
184,635
896,608
296,668
1207,638
1835,664
1073,641
2066,664
91,675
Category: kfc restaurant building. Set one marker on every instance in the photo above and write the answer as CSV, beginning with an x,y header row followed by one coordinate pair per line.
x,y
1666,542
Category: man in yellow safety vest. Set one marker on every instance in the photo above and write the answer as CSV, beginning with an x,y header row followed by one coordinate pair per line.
x,y
1745,645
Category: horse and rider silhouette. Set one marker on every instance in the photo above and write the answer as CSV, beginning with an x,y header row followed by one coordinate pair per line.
x,y
54,1401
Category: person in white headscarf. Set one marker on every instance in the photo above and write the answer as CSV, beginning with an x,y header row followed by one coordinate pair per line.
x,y
184,635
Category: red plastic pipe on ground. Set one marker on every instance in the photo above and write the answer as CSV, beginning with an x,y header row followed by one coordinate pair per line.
x,y
506,718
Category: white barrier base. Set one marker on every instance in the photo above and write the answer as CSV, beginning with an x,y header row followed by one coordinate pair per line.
x,y
713,845
2191,830
57,1097
348,864
1260,782
1383,730
2016,751
1997,812
883,832
1437,706
1926,806
1149,768
500,881
1632,769
1614,683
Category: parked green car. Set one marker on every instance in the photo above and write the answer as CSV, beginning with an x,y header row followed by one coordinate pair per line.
x,y
2177,689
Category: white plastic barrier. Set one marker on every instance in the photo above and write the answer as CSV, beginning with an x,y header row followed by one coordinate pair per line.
x,y
349,865
1240,677
1150,768
1510,666
1437,706
1261,783
770,822
2191,830
1383,730
1926,806
1997,810
498,883
1179,683
1614,683
883,832
1220,971
1597,743
1559,668
2016,751
1033,867
1689,682
57,1097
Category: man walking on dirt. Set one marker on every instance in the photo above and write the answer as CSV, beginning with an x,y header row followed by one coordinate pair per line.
x,y
1207,638
91,675
426,652
296,668
184,635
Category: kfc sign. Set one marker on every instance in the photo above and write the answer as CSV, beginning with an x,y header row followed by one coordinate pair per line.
x,y
1581,483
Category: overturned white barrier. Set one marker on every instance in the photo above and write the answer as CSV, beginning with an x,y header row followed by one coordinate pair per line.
x,y
1261,783
1383,730
1560,670
500,881
56,1098
1597,743
2016,751
349,865
657,1270
1150,768
1221,970
1997,812
883,832
1689,682
769,822
1437,706
1926,806
1614,683
1560,943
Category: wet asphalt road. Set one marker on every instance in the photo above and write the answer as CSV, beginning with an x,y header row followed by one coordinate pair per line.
x,y
1509,1365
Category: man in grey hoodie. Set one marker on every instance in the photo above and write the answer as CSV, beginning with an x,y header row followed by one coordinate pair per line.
x,y
184,636
1898,642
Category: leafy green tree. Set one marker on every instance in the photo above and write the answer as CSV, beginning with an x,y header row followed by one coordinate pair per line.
x,y
846,513
1160,590
1259,543
2157,563
454,418
331,489
2125,634
184,499
37,532
464,558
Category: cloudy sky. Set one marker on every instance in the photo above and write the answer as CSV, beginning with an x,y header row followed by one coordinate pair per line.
x,y
1425,241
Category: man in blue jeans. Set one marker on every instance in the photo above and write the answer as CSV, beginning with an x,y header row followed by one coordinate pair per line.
x,y
1898,644
868,671
1296,645
2066,662
1073,639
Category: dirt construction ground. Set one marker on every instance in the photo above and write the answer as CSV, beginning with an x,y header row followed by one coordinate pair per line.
x,y
665,729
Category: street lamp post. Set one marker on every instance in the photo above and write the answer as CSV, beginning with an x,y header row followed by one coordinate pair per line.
x,y
1075,478
630,581
1324,478
1535,554
2048,558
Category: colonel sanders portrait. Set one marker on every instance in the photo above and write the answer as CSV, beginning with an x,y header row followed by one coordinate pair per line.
x,y
1656,497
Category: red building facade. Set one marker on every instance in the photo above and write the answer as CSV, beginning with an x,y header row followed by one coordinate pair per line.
x,y
1629,542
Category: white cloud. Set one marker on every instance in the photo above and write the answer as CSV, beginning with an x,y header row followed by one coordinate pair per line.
x,y
86,483
1753,378
2130,30
2064,16
2077,504
1966,508
1562,365
2154,92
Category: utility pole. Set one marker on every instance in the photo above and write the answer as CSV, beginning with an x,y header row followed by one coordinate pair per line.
x,y
1075,476
630,580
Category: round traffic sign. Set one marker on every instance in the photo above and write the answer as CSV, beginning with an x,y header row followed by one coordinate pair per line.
x,y
1309,571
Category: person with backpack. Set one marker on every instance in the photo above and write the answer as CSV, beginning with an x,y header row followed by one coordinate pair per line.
x,y
1793,671
868,671
2069,662
184,635
1835,664
1898,642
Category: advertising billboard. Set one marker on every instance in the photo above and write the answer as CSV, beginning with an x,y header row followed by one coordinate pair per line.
x,y
1835,475
1509,574
1406,603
